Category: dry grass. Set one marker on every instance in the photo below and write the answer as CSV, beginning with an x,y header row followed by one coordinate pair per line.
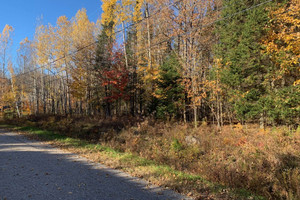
x,y
266,162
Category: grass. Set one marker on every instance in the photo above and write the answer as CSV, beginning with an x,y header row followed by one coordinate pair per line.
x,y
265,162
155,172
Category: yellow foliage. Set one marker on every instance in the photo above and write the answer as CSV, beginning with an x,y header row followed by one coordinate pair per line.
x,y
137,14
297,82
25,41
238,127
5,43
82,29
109,14
10,96
63,39
124,10
283,39
44,43
6,33
108,7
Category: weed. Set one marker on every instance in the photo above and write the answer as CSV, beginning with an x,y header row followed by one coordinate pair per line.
x,y
176,145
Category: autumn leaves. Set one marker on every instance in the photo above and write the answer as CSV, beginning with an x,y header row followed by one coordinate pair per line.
x,y
186,60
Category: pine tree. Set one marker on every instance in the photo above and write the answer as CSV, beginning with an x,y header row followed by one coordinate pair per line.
x,y
240,51
103,55
170,92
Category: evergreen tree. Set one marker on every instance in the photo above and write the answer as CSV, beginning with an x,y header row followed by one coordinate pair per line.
x,y
103,63
240,51
169,92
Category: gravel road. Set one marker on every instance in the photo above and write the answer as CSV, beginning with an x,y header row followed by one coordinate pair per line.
x,y
33,170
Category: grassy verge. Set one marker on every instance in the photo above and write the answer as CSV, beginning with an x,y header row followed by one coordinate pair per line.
x,y
163,175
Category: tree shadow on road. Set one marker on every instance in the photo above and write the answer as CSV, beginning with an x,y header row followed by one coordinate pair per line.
x,y
31,170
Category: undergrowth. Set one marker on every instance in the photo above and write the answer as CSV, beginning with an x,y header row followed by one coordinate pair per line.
x,y
266,162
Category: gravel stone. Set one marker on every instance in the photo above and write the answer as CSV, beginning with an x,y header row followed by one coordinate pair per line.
x,y
36,171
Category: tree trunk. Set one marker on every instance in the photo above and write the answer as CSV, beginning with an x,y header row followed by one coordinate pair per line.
x,y
16,102
125,51
149,37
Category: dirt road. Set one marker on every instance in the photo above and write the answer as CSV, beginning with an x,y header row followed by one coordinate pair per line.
x,y
33,170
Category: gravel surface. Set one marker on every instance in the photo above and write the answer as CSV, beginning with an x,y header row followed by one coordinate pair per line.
x,y
33,170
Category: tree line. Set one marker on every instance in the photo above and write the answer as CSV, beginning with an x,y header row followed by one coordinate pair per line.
x,y
190,60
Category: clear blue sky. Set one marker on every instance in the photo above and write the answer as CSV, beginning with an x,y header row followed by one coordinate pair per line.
x,y
22,15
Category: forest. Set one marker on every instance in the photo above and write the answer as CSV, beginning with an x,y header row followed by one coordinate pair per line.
x,y
217,61
201,64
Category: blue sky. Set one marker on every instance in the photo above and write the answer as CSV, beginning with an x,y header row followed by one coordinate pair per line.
x,y
23,15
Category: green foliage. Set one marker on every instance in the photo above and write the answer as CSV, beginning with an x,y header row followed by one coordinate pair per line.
x,y
248,72
9,114
282,105
104,47
241,53
176,145
169,92
103,63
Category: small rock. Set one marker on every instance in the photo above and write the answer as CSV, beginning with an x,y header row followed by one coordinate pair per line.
x,y
191,140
